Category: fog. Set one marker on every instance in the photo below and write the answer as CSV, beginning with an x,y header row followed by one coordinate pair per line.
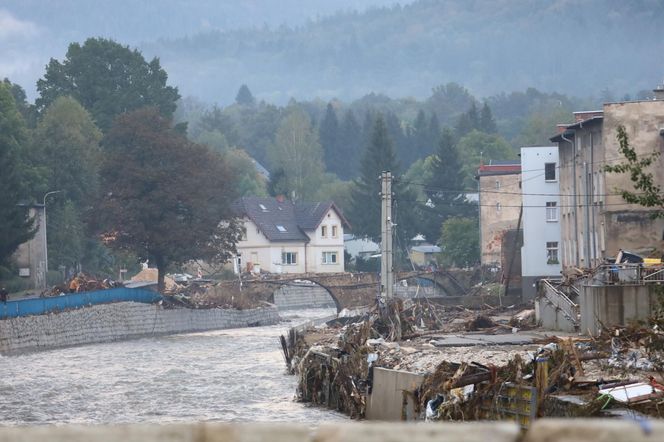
x,y
346,49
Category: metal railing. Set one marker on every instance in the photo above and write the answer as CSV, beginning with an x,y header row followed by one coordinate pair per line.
x,y
559,300
628,274
40,306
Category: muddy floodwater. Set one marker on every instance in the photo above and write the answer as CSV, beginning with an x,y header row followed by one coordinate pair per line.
x,y
226,375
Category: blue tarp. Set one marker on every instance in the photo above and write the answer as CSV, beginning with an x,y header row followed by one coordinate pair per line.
x,y
40,306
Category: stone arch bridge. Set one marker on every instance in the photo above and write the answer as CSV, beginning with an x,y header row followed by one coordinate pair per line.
x,y
352,289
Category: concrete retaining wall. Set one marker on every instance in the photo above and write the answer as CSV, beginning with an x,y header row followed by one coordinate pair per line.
x,y
119,321
301,296
614,305
544,430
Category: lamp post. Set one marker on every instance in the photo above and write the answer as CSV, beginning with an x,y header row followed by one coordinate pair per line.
x,y
45,240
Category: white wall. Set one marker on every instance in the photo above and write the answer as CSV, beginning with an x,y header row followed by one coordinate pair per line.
x,y
536,192
329,243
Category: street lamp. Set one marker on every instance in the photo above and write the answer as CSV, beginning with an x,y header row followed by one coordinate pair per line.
x,y
45,240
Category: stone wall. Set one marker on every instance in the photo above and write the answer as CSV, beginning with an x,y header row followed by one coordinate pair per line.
x,y
299,296
549,430
119,321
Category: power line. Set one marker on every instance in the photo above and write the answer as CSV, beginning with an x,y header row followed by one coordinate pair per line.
x,y
441,190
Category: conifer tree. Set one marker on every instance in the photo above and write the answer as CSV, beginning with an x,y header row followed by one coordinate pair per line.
x,y
487,124
444,190
244,96
328,134
364,213
350,142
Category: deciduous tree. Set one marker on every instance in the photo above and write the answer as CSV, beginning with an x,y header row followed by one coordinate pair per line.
x,y
107,79
460,240
164,198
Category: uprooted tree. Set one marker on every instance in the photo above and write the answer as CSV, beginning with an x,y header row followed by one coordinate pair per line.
x,y
164,198
646,192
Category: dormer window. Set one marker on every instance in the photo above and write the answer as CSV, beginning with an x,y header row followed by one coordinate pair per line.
x,y
263,208
281,228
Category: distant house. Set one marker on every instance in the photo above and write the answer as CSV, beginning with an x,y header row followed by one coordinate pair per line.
x,y
424,255
286,237
360,247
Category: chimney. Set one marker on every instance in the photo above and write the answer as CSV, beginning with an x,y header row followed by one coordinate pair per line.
x,y
659,92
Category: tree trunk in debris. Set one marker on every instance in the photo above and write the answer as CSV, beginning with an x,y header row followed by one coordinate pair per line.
x,y
161,273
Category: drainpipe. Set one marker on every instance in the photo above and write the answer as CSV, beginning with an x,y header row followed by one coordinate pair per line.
x,y
587,213
574,204
592,197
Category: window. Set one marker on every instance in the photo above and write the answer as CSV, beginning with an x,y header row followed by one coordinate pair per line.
x,y
289,258
334,231
281,228
497,207
497,184
552,252
323,231
549,171
329,257
551,211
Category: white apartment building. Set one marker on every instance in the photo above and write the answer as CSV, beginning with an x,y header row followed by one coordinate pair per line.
x,y
540,192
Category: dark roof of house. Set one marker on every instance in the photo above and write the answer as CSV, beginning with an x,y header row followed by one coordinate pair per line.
x,y
284,220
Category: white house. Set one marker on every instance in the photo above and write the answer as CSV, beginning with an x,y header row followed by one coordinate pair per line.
x,y
541,252
286,237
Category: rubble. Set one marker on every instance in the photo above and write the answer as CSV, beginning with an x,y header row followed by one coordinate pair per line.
x,y
507,373
80,283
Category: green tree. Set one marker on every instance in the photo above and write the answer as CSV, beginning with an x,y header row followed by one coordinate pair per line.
x,y
26,109
296,150
460,240
164,198
66,144
365,205
443,189
15,225
329,135
107,79
646,192
248,181
244,96
468,122
479,147
486,122
351,142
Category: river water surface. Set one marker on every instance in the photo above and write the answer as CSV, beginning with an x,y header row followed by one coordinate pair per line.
x,y
226,375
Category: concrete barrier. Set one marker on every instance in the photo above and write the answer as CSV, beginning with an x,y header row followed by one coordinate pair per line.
x,y
119,321
544,430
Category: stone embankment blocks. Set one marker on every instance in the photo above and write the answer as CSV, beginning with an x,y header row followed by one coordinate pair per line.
x,y
119,321
543,430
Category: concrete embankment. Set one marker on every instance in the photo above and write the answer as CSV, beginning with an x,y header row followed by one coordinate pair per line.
x,y
302,296
549,430
120,321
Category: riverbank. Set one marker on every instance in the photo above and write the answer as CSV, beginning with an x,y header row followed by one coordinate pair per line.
x,y
120,321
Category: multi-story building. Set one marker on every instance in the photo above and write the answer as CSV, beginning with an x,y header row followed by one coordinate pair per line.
x,y
540,253
500,203
286,237
595,220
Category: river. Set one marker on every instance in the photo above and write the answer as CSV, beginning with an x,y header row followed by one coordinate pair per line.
x,y
225,375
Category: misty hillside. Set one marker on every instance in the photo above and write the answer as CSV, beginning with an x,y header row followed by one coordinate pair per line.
x,y
577,46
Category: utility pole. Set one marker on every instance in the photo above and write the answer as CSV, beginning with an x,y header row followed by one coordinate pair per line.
x,y
386,277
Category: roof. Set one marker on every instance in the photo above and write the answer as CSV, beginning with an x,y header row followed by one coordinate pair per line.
x,y
283,220
499,168
568,132
426,249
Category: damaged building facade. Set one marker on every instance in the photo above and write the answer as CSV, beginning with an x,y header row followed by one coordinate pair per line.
x,y
500,202
598,227
595,220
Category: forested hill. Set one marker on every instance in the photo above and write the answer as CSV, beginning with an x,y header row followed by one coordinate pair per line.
x,y
577,46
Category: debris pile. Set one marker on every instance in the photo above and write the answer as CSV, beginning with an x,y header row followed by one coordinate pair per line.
x,y
80,283
501,377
